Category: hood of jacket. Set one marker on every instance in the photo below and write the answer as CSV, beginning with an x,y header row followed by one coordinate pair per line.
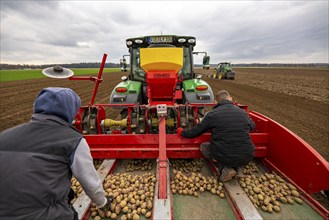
x,y
61,102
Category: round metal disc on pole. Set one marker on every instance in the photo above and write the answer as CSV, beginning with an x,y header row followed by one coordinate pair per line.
x,y
57,72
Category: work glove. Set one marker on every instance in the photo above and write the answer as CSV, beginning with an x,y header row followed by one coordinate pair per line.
x,y
107,206
179,130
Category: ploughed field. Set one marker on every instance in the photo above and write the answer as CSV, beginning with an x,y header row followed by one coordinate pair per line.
x,y
297,98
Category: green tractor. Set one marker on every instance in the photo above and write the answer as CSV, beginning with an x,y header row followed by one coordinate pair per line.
x,y
223,71
135,89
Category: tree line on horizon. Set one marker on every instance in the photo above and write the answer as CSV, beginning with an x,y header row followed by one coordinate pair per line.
x,y
71,65
116,65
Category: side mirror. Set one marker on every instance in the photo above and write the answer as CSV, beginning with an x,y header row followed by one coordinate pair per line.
x,y
123,65
57,72
205,62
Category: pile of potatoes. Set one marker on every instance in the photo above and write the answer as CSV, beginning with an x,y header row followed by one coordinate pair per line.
x,y
195,184
132,196
187,165
139,164
268,191
250,168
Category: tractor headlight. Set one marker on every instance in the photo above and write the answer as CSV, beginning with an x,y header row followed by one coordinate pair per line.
x,y
138,41
191,41
120,99
181,40
202,97
129,43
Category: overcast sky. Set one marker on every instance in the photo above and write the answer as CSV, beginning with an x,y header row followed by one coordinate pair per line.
x,y
44,32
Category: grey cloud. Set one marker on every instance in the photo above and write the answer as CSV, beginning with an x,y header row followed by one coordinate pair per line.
x,y
257,37
29,9
81,31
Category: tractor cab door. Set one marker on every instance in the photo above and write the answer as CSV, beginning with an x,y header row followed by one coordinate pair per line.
x,y
137,73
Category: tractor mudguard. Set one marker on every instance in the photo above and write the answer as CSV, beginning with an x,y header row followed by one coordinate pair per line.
x,y
126,92
197,91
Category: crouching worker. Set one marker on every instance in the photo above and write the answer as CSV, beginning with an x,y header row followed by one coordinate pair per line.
x,y
38,159
230,145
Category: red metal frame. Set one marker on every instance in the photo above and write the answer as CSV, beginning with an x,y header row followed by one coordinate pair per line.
x,y
162,161
294,157
147,145
97,80
281,149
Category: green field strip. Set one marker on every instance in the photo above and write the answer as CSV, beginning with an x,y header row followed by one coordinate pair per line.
x,y
14,75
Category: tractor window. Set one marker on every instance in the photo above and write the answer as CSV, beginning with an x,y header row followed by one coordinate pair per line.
x,y
186,69
136,70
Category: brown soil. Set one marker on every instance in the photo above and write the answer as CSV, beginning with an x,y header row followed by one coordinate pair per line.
x,y
297,98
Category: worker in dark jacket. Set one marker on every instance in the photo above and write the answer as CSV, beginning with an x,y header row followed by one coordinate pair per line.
x,y
230,144
38,159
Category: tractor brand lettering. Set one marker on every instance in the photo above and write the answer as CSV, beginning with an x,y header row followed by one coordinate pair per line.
x,y
160,39
161,75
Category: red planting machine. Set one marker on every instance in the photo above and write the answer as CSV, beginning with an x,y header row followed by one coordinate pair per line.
x,y
163,93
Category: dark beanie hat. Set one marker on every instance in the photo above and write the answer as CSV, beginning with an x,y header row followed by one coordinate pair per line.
x,y
61,102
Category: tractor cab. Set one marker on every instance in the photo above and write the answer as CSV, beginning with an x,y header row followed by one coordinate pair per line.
x,y
225,67
135,44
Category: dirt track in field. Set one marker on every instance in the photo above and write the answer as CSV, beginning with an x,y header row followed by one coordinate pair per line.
x,y
296,98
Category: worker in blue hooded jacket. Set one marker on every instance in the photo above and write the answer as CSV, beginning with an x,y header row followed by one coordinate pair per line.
x,y
38,159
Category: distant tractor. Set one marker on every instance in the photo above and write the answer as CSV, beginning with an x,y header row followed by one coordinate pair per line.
x,y
223,71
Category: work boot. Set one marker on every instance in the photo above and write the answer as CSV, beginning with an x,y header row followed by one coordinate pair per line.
x,y
227,174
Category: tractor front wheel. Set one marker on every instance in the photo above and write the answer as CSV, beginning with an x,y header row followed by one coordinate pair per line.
x,y
214,75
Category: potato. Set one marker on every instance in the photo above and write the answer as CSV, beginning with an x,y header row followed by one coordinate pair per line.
x,y
136,217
